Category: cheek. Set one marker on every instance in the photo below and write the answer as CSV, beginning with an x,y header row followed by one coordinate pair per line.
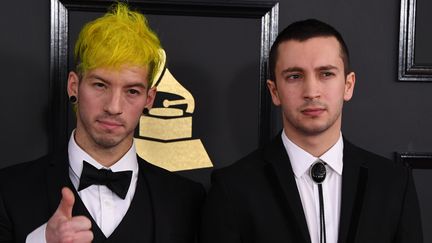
x,y
133,118
291,99
137,112
135,109
336,99
86,113
89,104
335,92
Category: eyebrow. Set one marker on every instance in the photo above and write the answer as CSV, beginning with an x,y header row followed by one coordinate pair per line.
x,y
133,84
95,76
327,67
299,69
136,84
292,69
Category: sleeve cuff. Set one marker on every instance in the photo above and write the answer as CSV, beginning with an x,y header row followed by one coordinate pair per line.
x,y
38,235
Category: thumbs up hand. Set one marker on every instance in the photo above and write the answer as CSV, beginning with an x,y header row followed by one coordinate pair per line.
x,y
62,227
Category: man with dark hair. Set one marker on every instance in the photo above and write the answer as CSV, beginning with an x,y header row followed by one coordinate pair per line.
x,y
309,184
99,190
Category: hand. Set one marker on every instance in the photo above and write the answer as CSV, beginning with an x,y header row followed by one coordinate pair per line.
x,y
62,227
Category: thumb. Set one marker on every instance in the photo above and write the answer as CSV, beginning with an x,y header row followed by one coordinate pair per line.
x,y
66,203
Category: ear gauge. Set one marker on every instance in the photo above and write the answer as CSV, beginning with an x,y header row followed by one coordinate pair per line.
x,y
146,111
73,99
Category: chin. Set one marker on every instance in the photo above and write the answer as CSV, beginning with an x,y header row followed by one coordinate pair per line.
x,y
314,132
313,129
107,143
112,140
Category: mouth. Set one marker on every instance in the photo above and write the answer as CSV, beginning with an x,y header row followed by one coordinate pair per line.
x,y
313,111
109,124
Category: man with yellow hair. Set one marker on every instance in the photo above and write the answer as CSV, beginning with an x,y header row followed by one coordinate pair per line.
x,y
99,190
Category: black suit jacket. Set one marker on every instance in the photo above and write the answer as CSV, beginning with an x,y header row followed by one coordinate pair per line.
x,y
30,193
257,200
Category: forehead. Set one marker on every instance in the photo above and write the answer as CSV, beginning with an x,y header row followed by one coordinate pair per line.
x,y
311,53
124,75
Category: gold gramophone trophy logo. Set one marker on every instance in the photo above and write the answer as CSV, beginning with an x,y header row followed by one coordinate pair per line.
x,y
165,133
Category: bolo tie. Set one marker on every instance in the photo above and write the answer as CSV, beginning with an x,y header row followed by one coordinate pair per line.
x,y
318,174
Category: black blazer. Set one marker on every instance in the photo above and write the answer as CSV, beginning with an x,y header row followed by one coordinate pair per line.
x,y
30,193
257,200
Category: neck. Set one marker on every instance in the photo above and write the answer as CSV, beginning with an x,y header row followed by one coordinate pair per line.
x,y
315,144
106,156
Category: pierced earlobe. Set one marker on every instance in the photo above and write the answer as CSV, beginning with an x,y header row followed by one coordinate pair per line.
x,y
73,99
145,111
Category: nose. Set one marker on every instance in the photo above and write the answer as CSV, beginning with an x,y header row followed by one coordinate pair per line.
x,y
113,103
311,88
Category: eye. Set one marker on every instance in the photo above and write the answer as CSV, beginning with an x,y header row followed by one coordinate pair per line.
x,y
133,91
326,74
99,85
293,76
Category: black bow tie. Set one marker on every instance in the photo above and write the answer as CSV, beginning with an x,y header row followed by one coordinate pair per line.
x,y
117,182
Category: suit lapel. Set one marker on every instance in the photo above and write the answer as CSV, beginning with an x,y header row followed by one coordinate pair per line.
x,y
57,178
354,181
80,209
282,176
154,192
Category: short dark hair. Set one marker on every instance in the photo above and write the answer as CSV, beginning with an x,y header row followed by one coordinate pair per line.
x,y
302,31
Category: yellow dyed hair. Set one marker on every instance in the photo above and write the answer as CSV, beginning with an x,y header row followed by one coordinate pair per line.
x,y
120,37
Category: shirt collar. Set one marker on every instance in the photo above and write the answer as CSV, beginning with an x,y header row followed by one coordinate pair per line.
x,y
301,160
77,155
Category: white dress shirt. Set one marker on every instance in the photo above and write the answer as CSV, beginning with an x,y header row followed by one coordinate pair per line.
x,y
104,206
301,161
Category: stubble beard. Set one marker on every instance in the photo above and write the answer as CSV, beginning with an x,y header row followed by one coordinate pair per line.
x,y
307,129
106,142
101,139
